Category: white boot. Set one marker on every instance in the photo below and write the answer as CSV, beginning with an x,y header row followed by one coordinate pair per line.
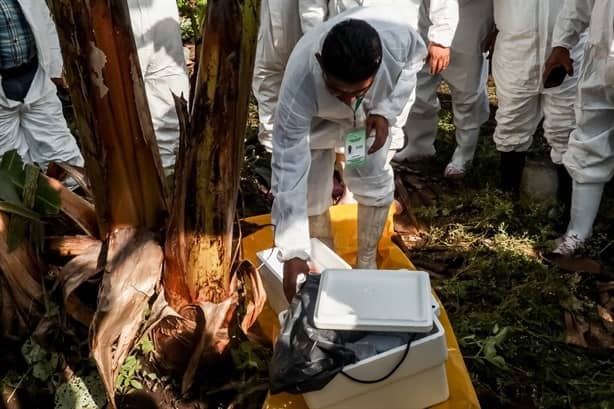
x,y
371,221
467,142
585,201
320,228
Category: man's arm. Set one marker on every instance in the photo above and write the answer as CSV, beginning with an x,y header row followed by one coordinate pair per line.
x,y
290,166
572,21
444,18
395,108
312,13
55,54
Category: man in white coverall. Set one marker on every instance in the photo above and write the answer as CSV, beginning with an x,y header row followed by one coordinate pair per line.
x,y
353,75
31,119
590,155
466,75
523,42
155,25
279,31
444,13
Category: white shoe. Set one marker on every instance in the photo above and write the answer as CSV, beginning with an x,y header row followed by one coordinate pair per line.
x,y
414,154
453,170
567,245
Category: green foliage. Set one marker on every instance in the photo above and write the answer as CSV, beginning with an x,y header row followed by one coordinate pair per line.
x,y
27,197
192,15
42,362
133,374
81,393
506,306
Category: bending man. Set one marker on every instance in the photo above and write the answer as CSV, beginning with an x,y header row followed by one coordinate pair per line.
x,y
356,72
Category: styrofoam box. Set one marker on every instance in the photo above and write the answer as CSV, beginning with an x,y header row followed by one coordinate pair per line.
x,y
374,300
324,258
419,382
272,271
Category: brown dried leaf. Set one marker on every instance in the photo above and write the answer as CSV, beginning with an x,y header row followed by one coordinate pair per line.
x,y
13,325
70,246
23,275
77,209
246,281
58,170
599,337
132,273
76,272
576,327
211,332
574,264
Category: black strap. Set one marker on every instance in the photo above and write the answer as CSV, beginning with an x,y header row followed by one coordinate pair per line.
x,y
383,378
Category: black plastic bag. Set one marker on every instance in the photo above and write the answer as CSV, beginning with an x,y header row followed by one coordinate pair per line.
x,y
307,358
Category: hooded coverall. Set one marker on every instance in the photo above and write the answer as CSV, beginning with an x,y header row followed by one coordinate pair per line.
x,y
35,127
590,154
310,122
523,44
279,31
155,25
466,76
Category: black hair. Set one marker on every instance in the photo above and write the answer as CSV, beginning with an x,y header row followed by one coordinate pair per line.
x,y
352,51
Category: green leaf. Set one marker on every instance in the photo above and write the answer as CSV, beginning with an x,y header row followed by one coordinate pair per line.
x,y
8,192
497,361
19,210
12,164
136,384
17,232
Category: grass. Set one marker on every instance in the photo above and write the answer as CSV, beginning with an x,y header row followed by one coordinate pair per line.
x,y
507,307
490,246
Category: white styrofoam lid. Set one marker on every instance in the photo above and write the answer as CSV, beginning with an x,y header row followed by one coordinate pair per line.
x,y
374,300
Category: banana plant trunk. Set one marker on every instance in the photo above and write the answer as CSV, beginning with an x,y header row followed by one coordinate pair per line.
x,y
210,159
115,130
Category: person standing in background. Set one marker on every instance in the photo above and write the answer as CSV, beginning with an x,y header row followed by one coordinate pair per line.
x,y
31,120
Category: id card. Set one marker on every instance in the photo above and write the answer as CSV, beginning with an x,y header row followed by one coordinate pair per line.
x,y
355,149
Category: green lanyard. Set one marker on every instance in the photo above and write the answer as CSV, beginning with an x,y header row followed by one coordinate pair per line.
x,y
357,105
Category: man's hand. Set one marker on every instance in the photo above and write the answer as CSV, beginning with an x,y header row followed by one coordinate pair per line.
x,y
558,57
293,268
380,125
488,45
438,57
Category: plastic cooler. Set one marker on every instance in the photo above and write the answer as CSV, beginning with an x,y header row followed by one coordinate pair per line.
x,y
419,382
271,271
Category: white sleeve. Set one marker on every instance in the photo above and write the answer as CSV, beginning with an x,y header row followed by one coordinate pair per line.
x,y
55,54
290,167
444,18
572,21
393,108
312,12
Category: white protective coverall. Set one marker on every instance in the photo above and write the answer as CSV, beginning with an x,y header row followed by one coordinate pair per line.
x,y
155,25
590,155
466,75
279,31
443,14
310,122
523,43
36,127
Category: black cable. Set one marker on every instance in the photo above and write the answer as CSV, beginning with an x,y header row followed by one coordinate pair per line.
x,y
383,378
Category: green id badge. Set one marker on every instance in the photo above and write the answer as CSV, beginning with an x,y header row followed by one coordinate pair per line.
x,y
355,149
